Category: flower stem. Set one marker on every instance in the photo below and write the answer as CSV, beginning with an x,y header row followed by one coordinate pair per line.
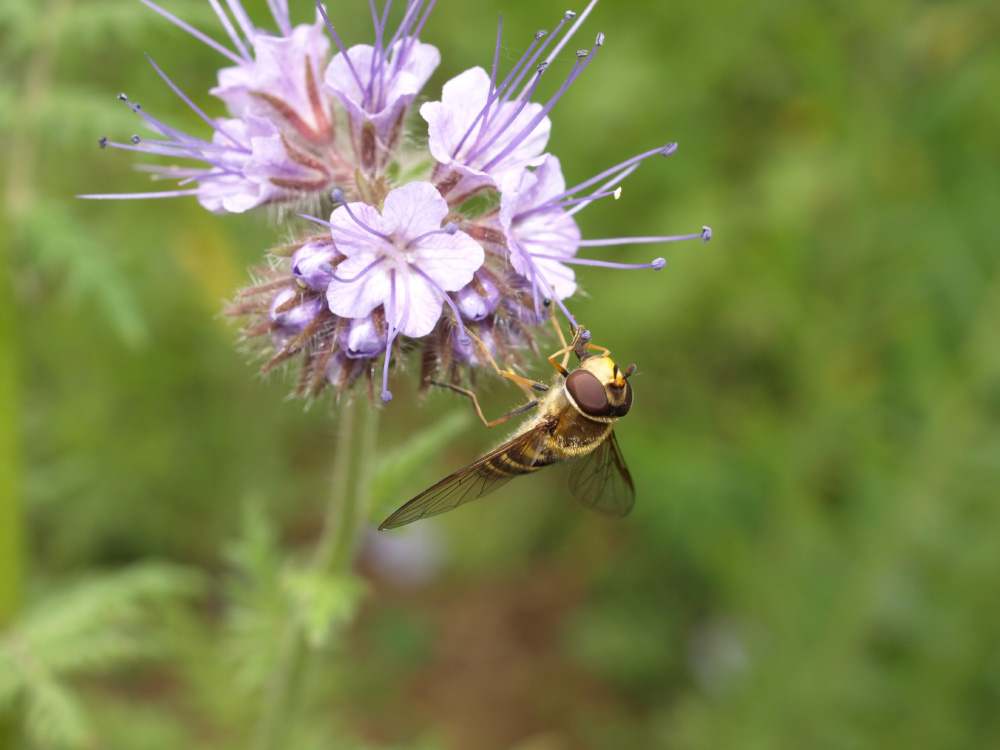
x,y
334,552
11,521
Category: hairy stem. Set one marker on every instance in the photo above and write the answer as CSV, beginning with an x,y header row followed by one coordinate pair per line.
x,y
334,552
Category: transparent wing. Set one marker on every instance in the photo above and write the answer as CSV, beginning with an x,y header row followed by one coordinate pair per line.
x,y
601,481
517,456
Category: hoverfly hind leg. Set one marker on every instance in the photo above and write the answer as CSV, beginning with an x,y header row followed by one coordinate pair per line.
x,y
479,412
526,384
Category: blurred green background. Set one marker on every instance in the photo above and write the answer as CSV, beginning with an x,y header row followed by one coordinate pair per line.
x,y
812,560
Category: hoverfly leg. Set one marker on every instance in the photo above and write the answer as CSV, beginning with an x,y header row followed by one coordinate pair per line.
x,y
479,412
526,385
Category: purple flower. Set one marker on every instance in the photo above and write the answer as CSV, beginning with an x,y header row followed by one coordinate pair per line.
x,y
312,263
482,130
475,136
539,234
281,80
408,261
400,260
376,84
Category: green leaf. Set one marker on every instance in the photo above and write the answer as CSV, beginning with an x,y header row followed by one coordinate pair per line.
x,y
323,602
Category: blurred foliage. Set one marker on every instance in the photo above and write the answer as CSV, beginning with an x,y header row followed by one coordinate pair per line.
x,y
816,443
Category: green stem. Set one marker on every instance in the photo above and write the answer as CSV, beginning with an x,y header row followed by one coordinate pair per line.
x,y
11,541
333,554
11,521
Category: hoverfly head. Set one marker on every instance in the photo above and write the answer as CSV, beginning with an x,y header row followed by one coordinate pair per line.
x,y
599,388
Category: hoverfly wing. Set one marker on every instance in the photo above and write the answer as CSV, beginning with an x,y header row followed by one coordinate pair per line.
x,y
517,456
601,482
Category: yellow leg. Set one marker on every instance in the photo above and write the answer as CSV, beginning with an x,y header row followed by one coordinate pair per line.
x,y
526,384
479,412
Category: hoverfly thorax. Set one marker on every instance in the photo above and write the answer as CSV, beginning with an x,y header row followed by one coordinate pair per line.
x,y
599,390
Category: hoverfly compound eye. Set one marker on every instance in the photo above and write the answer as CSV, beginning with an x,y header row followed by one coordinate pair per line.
x,y
621,411
589,393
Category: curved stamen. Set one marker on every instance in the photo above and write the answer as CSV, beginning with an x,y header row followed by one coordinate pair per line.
x,y
449,228
393,330
613,172
334,228
327,268
552,205
537,279
338,195
463,338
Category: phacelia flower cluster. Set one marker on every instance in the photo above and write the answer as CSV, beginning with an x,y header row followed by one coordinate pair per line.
x,y
410,247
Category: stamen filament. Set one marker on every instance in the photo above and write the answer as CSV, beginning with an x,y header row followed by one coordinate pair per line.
x,y
641,240
393,330
200,36
246,25
513,116
449,228
132,196
327,268
569,34
463,337
578,67
194,107
656,264
338,195
340,45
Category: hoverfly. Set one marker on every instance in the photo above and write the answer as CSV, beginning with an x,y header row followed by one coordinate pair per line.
x,y
575,420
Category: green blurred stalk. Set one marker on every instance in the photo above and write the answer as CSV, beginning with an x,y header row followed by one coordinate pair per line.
x,y
352,469
10,509
11,529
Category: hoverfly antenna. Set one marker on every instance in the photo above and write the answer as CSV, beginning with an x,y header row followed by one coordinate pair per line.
x,y
629,371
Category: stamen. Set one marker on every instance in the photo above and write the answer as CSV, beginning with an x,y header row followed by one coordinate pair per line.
x,y
194,108
645,240
501,93
538,280
279,12
338,195
246,25
578,67
463,338
340,45
570,15
616,174
203,38
656,265
393,330
329,269
136,196
449,228
513,116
